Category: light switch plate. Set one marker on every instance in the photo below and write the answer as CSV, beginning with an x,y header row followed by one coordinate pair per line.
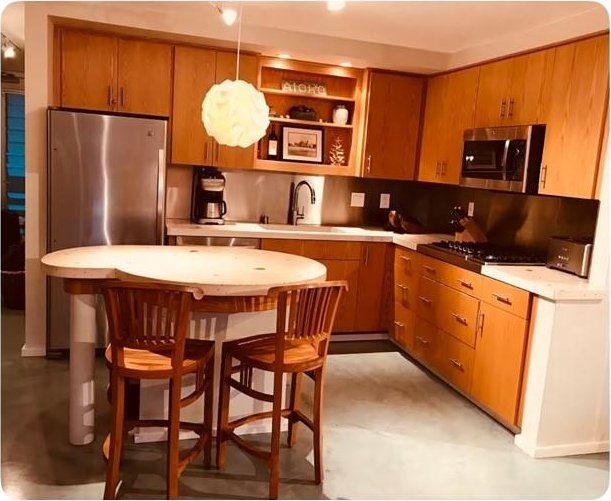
x,y
384,200
471,209
357,200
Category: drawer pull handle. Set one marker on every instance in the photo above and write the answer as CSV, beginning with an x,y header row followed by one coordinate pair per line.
x,y
465,284
403,287
422,340
399,324
460,319
406,259
502,299
430,269
457,364
425,299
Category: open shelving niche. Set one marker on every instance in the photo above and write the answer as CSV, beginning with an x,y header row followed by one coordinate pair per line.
x,y
344,86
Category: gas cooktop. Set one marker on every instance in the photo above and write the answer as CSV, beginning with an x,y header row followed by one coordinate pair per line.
x,y
473,256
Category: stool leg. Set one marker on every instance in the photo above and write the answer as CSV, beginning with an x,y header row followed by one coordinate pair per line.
x,y
173,434
223,416
295,399
274,460
318,395
208,402
116,436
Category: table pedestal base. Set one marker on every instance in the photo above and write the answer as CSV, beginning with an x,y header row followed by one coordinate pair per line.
x,y
82,358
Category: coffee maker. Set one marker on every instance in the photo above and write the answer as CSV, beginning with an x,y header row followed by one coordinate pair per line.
x,y
207,204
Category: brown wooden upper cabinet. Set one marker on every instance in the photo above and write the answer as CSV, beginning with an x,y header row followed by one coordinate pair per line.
x,y
392,127
574,110
100,72
195,72
509,91
450,109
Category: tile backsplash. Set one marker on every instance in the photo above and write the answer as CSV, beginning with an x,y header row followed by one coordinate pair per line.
x,y
507,218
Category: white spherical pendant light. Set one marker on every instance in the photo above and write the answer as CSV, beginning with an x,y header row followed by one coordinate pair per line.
x,y
235,113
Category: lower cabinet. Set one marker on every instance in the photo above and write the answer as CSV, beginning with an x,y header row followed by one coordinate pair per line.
x,y
469,329
362,265
499,361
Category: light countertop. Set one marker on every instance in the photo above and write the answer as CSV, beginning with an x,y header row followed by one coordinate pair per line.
x,y
180,227
545,282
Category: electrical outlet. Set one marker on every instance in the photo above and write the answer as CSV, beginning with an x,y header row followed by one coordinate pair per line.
x,y
384,200
471,209
357,200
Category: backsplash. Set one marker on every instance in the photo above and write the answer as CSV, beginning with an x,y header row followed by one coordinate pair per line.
x,y
507,218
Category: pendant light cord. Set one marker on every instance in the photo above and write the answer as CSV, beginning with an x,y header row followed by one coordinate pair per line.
x,y
237,64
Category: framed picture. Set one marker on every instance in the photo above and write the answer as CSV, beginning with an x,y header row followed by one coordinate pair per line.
x,y
302,145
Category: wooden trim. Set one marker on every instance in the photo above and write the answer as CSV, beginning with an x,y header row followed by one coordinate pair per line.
x,y
526,361
310,67
304,168
57,66
602,151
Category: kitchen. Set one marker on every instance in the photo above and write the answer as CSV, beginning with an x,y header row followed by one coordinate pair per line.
x,y
407,159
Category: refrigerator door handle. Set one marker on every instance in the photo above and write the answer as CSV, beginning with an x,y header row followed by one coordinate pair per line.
x,y
160,196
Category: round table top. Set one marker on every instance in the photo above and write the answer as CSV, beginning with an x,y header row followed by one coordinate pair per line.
x,y
219,271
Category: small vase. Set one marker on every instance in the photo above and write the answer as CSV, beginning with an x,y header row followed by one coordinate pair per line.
x,y
340,115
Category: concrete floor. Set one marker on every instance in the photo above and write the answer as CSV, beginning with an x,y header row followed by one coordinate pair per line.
x,y
392,431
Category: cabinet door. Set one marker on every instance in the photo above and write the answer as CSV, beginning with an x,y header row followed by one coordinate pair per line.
x,y
393,123
525,84
435,130
499,361
194,74
145,77
370,293
88,71
492,93
403,328
575,96
460,95
227,156
346,311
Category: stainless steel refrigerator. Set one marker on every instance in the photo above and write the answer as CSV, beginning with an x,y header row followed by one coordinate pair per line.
x,y
106,186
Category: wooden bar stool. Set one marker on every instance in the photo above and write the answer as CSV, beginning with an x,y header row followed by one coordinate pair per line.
x,y
303,325
148,325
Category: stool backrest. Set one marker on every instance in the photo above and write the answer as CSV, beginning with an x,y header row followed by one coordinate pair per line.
x,y
148,316
306,313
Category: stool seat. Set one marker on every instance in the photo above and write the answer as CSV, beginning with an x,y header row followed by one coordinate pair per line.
x,y
261,351
159,363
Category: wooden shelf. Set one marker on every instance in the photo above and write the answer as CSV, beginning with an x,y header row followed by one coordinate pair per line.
x,y
308,122
309,96
304,167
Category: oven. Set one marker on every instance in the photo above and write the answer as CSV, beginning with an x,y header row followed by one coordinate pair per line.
x,y
503,158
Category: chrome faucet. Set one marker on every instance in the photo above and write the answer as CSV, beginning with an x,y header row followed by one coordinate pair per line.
x,y
295,214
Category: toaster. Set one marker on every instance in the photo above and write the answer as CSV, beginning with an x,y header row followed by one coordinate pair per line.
x,y
570,254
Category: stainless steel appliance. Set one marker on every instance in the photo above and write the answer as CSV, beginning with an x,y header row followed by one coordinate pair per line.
x,y
572,255
207,204
106,185
473,255
503,158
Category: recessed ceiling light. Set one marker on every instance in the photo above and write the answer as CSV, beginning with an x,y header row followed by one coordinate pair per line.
x,y
346,64
335,5
284,56
229,16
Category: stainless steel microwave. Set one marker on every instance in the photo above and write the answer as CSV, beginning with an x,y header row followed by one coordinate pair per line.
x,y
503,158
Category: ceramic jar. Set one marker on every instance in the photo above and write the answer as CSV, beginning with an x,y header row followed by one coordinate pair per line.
x,y
340,115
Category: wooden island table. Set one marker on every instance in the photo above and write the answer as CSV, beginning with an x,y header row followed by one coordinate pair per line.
x,y
235,282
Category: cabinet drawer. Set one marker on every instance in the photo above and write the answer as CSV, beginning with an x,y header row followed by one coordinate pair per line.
x,y
427,299
406,265
457,314
403,328
324,249
425,336
460,279
406,294
506,297
455,360
430,267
